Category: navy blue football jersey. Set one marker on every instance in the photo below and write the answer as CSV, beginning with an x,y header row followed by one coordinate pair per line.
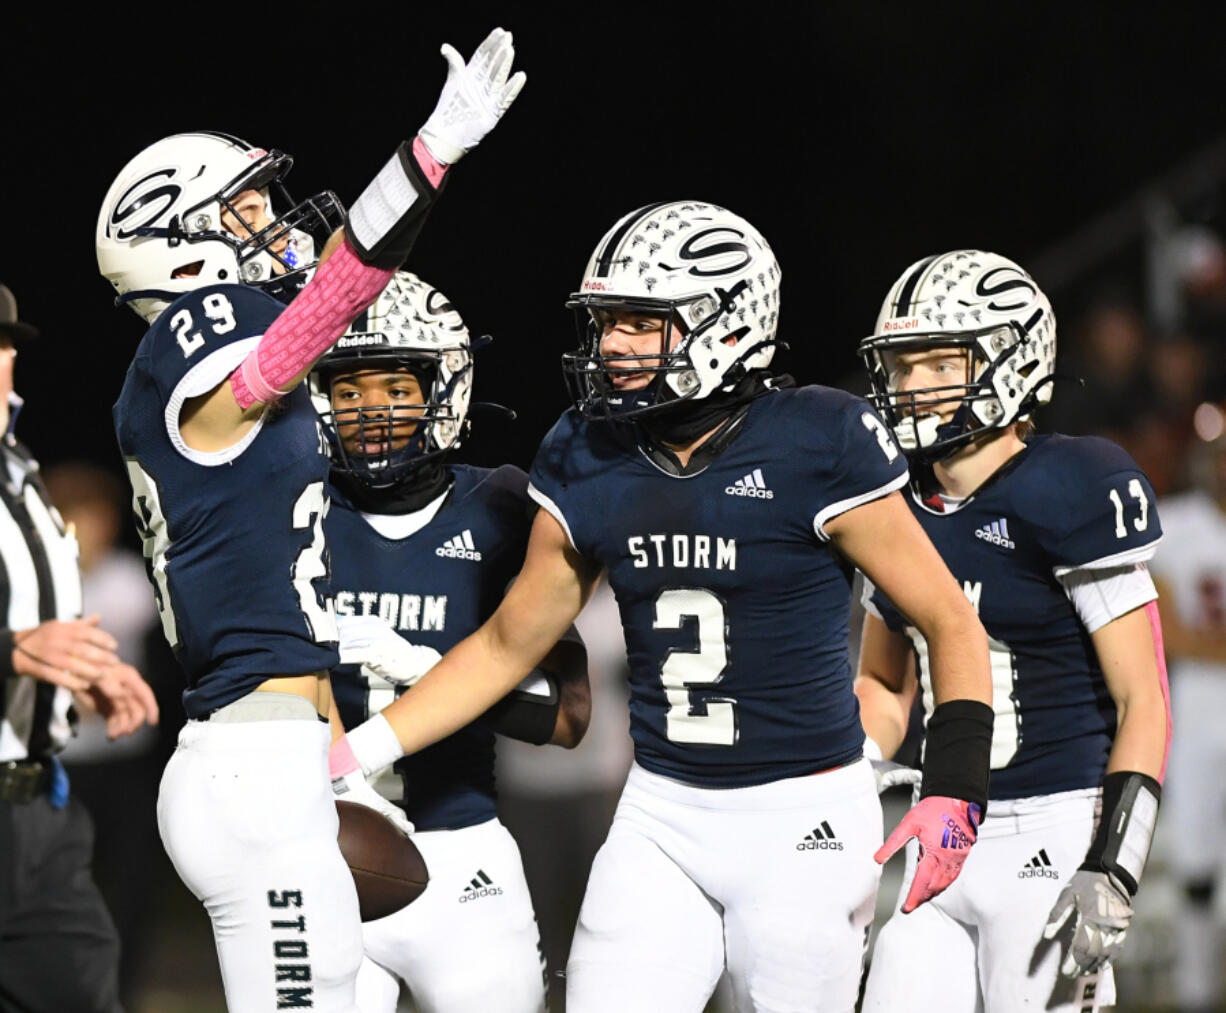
x,y
435,587
735,606
233,539
1062,504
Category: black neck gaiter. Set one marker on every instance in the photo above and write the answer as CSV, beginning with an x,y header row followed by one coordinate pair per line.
x,y
685,421
423,485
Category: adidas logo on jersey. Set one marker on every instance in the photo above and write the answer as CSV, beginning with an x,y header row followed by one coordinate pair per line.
x,y
751,485
1038,867
820,839
459,547
996,533
480,886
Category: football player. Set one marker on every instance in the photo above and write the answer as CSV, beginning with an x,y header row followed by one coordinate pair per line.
x,y
1048,536
422,551
228,466
722,502
1190,574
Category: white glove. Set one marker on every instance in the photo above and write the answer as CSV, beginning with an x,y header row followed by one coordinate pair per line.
x,y
474,98
352,787
381,651
1103,912
889,774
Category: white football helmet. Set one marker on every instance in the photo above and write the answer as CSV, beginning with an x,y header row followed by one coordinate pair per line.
x,y
706,272
413,327
162,216
972,300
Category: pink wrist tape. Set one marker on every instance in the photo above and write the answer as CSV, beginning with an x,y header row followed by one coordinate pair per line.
x,y
433,170
341,760
321,312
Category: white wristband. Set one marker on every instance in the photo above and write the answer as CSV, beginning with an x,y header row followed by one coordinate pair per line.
x,y
872,751
374,745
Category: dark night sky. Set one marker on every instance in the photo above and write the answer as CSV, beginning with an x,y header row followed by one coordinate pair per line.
x,y
857,137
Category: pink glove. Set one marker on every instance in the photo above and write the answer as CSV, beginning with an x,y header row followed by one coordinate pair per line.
x,y
946,828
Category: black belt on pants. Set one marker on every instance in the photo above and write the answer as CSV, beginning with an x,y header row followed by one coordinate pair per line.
x,y
23,780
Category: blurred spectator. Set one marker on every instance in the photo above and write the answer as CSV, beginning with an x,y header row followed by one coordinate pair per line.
x,y
1195,270
1109,354
118,781
1190,571
1198,261
559,808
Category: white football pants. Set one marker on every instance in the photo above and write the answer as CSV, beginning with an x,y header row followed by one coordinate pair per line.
x,y
469,944
776,883
978,947
247,817
1194,809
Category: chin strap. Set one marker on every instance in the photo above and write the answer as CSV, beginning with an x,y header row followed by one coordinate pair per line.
x,y
687,420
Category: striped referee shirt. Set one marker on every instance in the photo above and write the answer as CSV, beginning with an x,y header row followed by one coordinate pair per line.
x,y
40,579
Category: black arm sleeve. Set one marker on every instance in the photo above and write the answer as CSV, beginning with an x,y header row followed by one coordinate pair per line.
x,y
1126,827
533,717
6,654
383,223
957,753
528,717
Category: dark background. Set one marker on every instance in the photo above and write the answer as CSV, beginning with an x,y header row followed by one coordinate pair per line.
x,y
857,137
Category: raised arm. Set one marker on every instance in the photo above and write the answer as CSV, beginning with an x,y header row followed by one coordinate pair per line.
x,y
379,232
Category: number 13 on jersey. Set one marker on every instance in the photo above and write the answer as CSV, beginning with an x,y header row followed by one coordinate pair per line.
x,y
711,721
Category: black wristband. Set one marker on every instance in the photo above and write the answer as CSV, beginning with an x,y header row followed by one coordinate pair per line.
x,y
957,752
7,645
380,226
528,717
1121,843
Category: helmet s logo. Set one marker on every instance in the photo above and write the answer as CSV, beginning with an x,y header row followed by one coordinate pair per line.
x,y
438,305
143,203
729,256
1012,282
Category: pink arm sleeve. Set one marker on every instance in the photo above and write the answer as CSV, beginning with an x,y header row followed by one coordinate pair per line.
x,y
1155,625
340,290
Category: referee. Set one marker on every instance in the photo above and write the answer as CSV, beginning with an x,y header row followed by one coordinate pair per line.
x,y
58,947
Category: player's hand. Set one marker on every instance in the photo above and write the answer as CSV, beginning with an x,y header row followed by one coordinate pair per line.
x,y
368,641
946,829
889,774
71,653
1100,907
474,97
353,787
123,698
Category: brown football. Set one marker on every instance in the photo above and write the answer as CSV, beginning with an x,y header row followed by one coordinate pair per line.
x,y
387,868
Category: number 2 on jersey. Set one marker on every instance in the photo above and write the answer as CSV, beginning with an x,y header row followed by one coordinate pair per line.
x,y
710,722
155,542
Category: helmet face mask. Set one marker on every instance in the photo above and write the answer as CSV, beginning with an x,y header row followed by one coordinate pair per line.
x,y
410,329
712,281
162,229
994,316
